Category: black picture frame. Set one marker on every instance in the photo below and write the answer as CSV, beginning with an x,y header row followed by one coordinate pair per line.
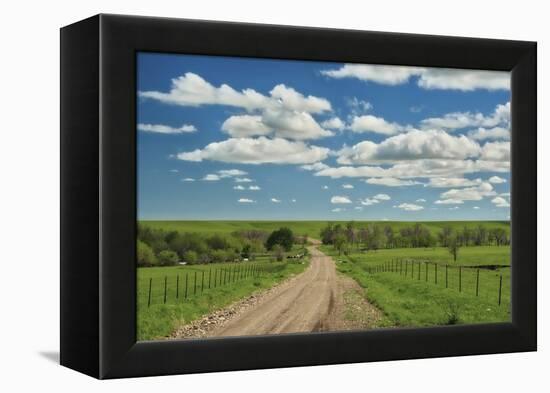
x,y
98,196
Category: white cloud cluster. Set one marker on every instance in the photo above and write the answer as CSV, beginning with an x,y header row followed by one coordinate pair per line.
x,y
370,123
500,202
459,120
413,145
258,151
243,180
340,199
334,123
390,182
382,197
211,177
285,115
348,186
192,90
316,166
459,195
368,201
497,180
359,106
275,200
494,133
231,173
164,129
428,78
278,123
416,169
374,200
411,207
246,200
450,182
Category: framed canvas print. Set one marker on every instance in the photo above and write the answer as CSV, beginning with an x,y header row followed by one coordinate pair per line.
x,y
239,196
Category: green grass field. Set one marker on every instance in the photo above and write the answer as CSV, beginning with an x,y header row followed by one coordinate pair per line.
x,y
159,319
310,228
411,300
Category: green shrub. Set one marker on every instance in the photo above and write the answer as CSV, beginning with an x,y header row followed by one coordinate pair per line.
x,y
145,255
167,258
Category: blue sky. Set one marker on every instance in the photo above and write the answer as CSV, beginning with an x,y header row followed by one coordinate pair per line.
x,y
262,139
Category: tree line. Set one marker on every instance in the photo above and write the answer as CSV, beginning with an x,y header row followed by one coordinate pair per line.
x,y
376,236
158,247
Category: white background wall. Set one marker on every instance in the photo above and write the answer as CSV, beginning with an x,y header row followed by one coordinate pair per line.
x,y
29,196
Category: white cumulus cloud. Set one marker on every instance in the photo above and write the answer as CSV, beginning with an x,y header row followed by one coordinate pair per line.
x,y
339,199
260,150
500,202
382,197
192,90
334,123
410,207
390,182
413,145
497,180
164,129
428,78
459,120
211,177
370,123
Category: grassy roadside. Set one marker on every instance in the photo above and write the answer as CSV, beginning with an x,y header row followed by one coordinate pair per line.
x,y
159,320
413,301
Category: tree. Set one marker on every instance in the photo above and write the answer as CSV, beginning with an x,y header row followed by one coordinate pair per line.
x,y
217,242
190,257
282,237
445,235
327,233
453,246
145,255
168,257
245,253
339,243
350,232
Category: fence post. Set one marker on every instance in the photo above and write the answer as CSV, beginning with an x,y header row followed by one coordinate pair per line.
x,y
186,282
460,279
177,286
446,276
500,290
406,265
477,283
165,282
209,277
215,277
195,284
202,282
149,299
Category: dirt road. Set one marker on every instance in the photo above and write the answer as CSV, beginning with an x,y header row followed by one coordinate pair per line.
x,y
316,300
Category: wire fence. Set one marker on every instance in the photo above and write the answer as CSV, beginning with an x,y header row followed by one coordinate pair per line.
x,y
183,286
457,277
